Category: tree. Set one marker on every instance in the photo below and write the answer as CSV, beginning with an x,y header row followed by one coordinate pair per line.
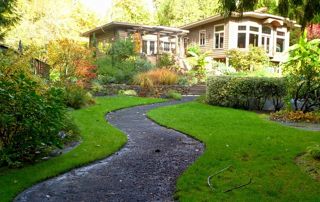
x,y
134,11
304,11
180,12
7,16
46,20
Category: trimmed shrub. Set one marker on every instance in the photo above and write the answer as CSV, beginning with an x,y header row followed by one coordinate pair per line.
x,y
172,94
245,92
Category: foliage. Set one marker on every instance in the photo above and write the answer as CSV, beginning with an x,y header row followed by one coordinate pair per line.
x,y
198,63
302,71
73,61
156,77
122,49
314,152
254,147
220,68
120,71
313,31
47,20
295,116
77,97
253,59
95,131
128,92
8,16
194,48
166,60
245,92
180,12
131,11
31,118
173,95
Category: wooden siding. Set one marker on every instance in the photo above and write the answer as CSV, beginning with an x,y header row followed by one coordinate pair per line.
x,y
193,37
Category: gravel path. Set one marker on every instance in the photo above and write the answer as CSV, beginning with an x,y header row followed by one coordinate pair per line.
x,y
146,169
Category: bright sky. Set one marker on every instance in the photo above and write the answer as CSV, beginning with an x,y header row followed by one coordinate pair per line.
x,y
98,6
101,6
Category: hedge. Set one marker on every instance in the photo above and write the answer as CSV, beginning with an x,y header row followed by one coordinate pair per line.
x,y
245,92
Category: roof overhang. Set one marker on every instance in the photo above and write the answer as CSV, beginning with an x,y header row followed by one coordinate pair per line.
x,y
136,27
277,20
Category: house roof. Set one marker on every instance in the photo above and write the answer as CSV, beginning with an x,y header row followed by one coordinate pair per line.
x,y
126,25
257,15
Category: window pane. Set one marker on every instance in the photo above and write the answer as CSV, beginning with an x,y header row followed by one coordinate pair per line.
x,y
242,27
255,29
144,46
280,45
280,33
216,36
253,39
219,28
266,30
202,39
152,46
241,40
221,40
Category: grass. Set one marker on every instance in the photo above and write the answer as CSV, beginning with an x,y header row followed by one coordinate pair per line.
x,y
99,139
255,147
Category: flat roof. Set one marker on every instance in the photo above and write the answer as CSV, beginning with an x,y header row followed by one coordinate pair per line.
x,y
252,14
162,29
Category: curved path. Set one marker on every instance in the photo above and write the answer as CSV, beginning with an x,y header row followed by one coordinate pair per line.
x,y
146,169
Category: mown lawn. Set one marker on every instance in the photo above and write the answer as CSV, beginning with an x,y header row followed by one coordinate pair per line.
x,y
255,148
99,139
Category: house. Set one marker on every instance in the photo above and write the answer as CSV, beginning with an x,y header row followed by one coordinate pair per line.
x,y
155,40
215,35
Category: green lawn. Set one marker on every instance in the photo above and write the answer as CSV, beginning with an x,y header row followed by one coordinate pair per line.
x,y
254,146
99,139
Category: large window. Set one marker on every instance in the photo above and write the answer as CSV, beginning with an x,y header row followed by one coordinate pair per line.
x,y
280,42
202,38
218,36
242,36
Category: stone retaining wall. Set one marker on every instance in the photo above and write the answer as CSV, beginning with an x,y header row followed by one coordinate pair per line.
x,y
113,89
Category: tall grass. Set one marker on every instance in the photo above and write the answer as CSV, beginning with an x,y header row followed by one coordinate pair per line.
x,y
156,77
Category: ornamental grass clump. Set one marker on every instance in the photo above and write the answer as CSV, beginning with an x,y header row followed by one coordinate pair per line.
x,y
156,77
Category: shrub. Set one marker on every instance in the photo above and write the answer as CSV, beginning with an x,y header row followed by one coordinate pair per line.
x,y
296,116
302,71
122,50
120,71
194,48
314,152
173,95
166,60
245,92
30,120
254,59
72,61
77,97
127,92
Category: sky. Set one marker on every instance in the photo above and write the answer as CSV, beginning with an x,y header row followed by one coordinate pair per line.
x,y
100,7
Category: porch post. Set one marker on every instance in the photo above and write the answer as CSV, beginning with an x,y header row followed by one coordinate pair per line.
x,y
177,46
158,46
